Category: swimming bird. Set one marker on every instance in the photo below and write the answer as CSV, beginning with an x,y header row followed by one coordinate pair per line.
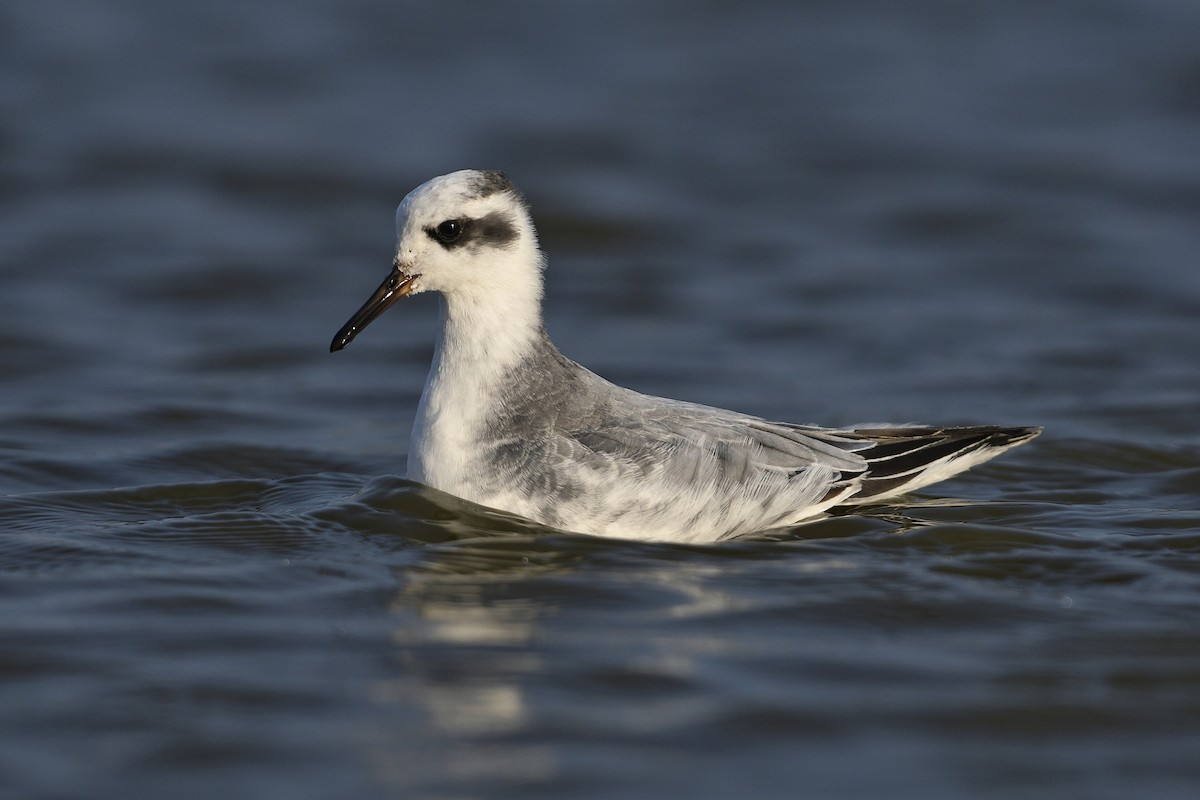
x,y
507,421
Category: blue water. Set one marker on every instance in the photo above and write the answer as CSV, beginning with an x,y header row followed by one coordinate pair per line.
x,y
215,581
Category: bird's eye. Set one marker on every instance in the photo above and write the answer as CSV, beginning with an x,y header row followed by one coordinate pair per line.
x,y
449,231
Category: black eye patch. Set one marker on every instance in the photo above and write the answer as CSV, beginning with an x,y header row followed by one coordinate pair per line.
x,y
496,229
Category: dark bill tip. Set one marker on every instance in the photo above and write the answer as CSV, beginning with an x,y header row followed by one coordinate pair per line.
x,y
396,285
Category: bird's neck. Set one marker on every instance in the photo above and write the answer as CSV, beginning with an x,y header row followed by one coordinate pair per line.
x,y
478,346
486,336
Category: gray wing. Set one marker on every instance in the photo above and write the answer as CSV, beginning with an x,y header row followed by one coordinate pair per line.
x,y
568,448
693,467
691,442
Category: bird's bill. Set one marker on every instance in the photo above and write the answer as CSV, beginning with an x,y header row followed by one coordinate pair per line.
x,y
392,289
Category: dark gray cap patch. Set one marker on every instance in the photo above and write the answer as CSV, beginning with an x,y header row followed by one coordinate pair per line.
x,y
489,181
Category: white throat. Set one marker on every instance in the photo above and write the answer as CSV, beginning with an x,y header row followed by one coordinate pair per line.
x,y
481,339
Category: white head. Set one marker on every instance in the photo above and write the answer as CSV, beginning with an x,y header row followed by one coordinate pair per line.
x,y
467,235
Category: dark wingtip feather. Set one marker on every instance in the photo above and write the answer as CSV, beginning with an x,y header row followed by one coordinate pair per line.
x,y
901,454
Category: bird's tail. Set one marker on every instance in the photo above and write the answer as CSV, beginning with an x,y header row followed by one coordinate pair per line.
x,y
902,458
